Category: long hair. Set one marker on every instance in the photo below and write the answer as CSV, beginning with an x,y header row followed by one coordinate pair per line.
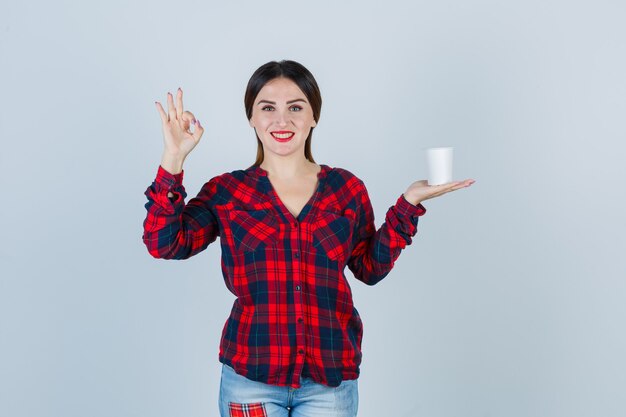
x,y
297,73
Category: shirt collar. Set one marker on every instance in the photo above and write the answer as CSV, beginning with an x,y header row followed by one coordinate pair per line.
x,y
257,171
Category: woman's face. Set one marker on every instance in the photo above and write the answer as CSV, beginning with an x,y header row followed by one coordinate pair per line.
x,y
282,117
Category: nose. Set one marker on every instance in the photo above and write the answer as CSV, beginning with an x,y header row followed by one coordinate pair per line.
x,y
282,118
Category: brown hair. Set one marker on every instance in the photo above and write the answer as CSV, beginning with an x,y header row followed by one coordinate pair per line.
x,y
297,73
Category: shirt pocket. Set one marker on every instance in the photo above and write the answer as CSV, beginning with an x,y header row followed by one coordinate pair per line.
x,y
332,233
253,229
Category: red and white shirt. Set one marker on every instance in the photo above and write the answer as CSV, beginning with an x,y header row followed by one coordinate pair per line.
x,y
294,315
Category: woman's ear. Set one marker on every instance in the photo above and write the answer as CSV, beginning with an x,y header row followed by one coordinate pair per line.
x,y
250,123
314,123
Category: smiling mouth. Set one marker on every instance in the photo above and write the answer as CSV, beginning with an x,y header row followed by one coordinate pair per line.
x,y
282,136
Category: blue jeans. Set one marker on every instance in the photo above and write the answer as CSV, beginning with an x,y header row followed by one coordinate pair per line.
x,y
240,396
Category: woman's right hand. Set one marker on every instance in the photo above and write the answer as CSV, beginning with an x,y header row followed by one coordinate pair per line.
x,y
179,139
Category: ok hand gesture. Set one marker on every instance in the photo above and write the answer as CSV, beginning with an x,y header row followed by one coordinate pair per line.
x,y
179,139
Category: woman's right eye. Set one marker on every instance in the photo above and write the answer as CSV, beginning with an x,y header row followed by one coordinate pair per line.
x,y
267,108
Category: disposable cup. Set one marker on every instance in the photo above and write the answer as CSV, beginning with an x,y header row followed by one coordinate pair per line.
x,y
439,165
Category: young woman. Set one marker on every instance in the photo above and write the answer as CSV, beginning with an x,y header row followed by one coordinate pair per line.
x,y
288,227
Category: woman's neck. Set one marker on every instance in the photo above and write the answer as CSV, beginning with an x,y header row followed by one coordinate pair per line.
x,y
285,168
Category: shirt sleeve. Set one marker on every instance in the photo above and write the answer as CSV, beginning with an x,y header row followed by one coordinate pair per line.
x,y
376,251
173,229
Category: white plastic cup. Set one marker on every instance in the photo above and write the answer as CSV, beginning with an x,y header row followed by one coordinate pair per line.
x,y
439,165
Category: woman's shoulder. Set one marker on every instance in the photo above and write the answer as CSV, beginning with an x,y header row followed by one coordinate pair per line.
x,y
340,177
237,184
332,170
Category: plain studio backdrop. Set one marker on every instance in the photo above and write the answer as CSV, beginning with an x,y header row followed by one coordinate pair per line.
x,y
511,299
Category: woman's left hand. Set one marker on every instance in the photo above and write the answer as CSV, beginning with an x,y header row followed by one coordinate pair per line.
x,y
420,190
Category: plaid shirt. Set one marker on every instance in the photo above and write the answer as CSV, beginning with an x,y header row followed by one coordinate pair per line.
x,y
294,314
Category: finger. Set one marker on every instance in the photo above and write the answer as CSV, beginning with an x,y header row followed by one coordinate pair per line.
x,y
458,187
442,188
187,120
462,184
198,131
161,112
171,109
179,103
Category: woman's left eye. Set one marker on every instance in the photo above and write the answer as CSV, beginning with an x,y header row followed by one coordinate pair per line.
x,y
295,108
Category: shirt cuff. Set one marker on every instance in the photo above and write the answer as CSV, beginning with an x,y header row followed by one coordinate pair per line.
x,y
408,209
168,180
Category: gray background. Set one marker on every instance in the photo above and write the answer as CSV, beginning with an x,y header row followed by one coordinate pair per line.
x,y
511,300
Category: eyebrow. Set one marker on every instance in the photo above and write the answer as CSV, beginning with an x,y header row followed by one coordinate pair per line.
x,y
274,103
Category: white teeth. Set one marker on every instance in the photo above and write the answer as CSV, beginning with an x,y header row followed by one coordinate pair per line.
x,y
282,135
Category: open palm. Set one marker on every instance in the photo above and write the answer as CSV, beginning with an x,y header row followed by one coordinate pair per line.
x,y
420,190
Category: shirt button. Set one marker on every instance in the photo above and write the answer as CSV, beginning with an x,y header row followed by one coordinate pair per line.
x,y
297,288
300,320
295,225
301,351
297,255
